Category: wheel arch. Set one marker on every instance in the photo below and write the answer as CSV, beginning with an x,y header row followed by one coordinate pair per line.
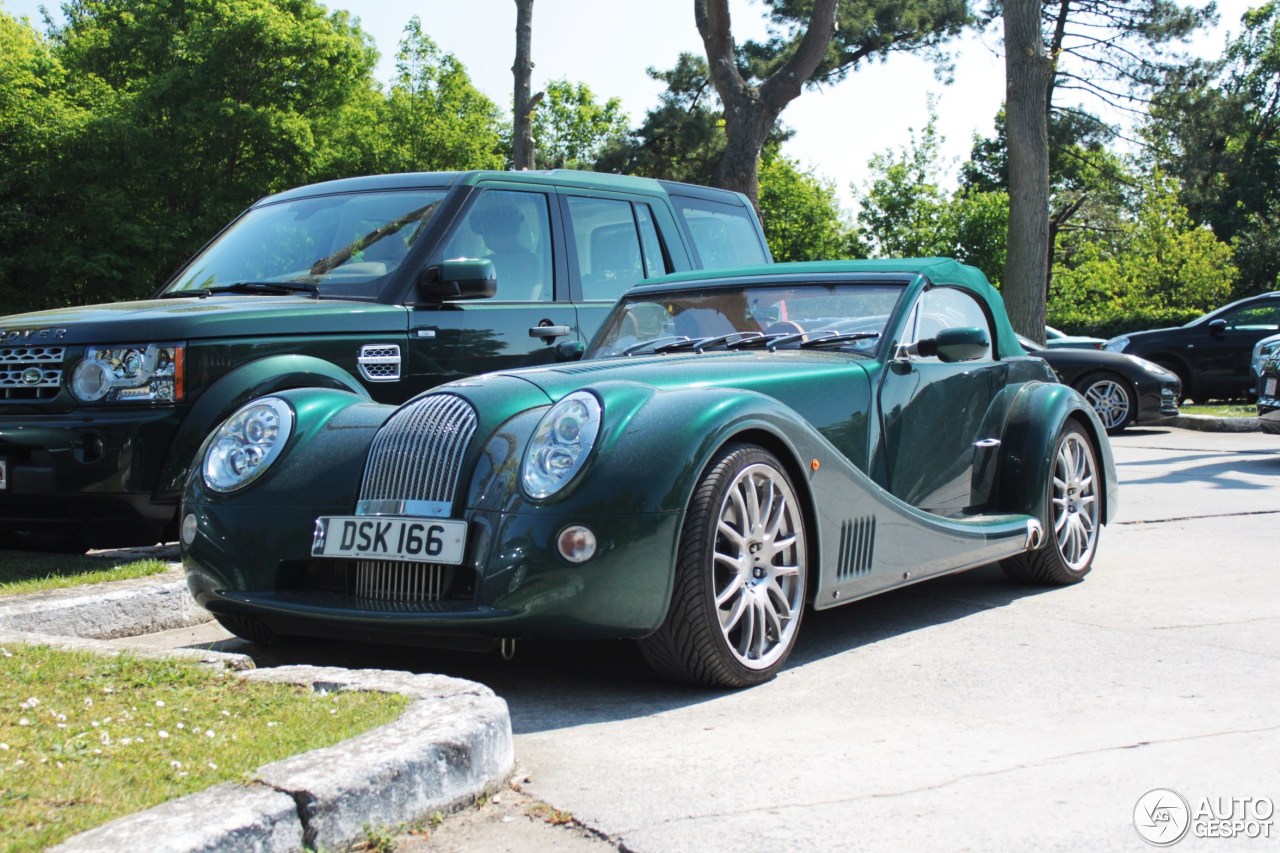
x,y
237,387
1038,414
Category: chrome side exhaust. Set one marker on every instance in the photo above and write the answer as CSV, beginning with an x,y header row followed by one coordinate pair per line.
x,y
1035,534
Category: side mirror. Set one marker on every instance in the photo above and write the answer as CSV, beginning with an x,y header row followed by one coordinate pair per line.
x,y
570,350
1217,327
462,278
964,343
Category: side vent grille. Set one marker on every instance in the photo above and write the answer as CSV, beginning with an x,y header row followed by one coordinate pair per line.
x,y
380,362
857,547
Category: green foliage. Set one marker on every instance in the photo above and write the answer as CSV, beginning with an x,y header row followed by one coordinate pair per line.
x,y
431,119
1156,268
904,210
134,131
682,139
571,129
801,213
1217,129
866,31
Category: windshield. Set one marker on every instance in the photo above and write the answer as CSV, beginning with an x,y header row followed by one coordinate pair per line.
x,y
339,245
849,317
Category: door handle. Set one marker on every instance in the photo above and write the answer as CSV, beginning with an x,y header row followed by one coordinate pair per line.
x,y
549,331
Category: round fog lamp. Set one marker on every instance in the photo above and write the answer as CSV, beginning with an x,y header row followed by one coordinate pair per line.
x,y
577,544
189,529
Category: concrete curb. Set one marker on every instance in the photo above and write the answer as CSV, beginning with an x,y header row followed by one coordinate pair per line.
x,y
1209,423
106,611
453,743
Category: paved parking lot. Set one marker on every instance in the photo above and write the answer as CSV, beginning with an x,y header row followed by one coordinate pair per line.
x,y
963,713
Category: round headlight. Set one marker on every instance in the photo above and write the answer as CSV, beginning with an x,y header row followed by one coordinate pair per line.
x,y
247,443
560,444
90,381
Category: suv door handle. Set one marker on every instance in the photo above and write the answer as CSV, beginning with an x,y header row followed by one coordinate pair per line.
x,y
549,331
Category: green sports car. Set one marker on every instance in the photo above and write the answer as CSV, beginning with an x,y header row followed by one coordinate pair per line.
x,y
734,448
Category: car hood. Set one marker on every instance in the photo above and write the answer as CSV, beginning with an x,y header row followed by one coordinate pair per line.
x,y
776,374
196,318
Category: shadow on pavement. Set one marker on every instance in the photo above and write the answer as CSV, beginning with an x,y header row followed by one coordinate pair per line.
x,y
553,685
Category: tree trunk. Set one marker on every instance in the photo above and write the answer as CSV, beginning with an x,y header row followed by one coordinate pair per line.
x,y
522,150
751,111
1028,73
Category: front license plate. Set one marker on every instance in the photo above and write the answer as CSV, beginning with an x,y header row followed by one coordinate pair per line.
x,y
413,540
1271,386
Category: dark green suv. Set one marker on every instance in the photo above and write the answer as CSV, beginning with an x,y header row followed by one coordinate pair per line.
x,y
384,285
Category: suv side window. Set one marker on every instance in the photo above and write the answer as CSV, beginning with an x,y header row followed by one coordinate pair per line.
x,y
617,245
724,235
1259,316
512,229
946,308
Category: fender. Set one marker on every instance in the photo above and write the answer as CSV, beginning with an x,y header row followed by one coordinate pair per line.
x,y
233,390
1036,416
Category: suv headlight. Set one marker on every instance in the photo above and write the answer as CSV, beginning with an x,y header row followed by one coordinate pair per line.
x,y
561,444
246,444
1116,344
142,373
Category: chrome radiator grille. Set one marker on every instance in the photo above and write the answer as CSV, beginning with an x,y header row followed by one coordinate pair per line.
x,y
416,456
386,581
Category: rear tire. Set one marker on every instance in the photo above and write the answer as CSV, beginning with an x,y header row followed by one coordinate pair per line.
x,y
740,582
1073,515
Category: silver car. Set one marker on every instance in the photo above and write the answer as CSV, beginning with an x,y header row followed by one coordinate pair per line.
x,y
1261,350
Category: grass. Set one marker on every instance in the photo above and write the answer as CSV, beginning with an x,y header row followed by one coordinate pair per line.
x,y
31,571
1222,410
85,739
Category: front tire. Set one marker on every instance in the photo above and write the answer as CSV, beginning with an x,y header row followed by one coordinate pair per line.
x,y
1073,515
740,576
1111,398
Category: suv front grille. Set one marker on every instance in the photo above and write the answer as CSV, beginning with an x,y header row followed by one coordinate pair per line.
x,y
30,372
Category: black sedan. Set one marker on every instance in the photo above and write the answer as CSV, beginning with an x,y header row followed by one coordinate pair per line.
x,y
1123,389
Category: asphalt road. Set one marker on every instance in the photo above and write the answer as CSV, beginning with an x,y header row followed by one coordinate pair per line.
x,y
965,713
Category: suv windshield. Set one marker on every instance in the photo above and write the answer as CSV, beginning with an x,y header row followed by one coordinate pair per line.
x,y
339,245
848,317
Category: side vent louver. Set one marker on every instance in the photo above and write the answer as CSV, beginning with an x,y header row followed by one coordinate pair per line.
x,y
857,547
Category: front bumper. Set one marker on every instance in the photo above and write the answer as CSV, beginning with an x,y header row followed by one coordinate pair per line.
x,y
512,583
88,474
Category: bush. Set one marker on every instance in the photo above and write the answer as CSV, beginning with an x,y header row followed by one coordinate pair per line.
x,y
1073,323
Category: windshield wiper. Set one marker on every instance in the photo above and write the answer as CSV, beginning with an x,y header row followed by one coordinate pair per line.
x,y
838,339
277,288
654,343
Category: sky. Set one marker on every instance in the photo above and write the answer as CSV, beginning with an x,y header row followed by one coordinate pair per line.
x,y
608,44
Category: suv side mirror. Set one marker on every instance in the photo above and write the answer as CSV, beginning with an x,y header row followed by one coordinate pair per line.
x,y
1217,327
462,278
